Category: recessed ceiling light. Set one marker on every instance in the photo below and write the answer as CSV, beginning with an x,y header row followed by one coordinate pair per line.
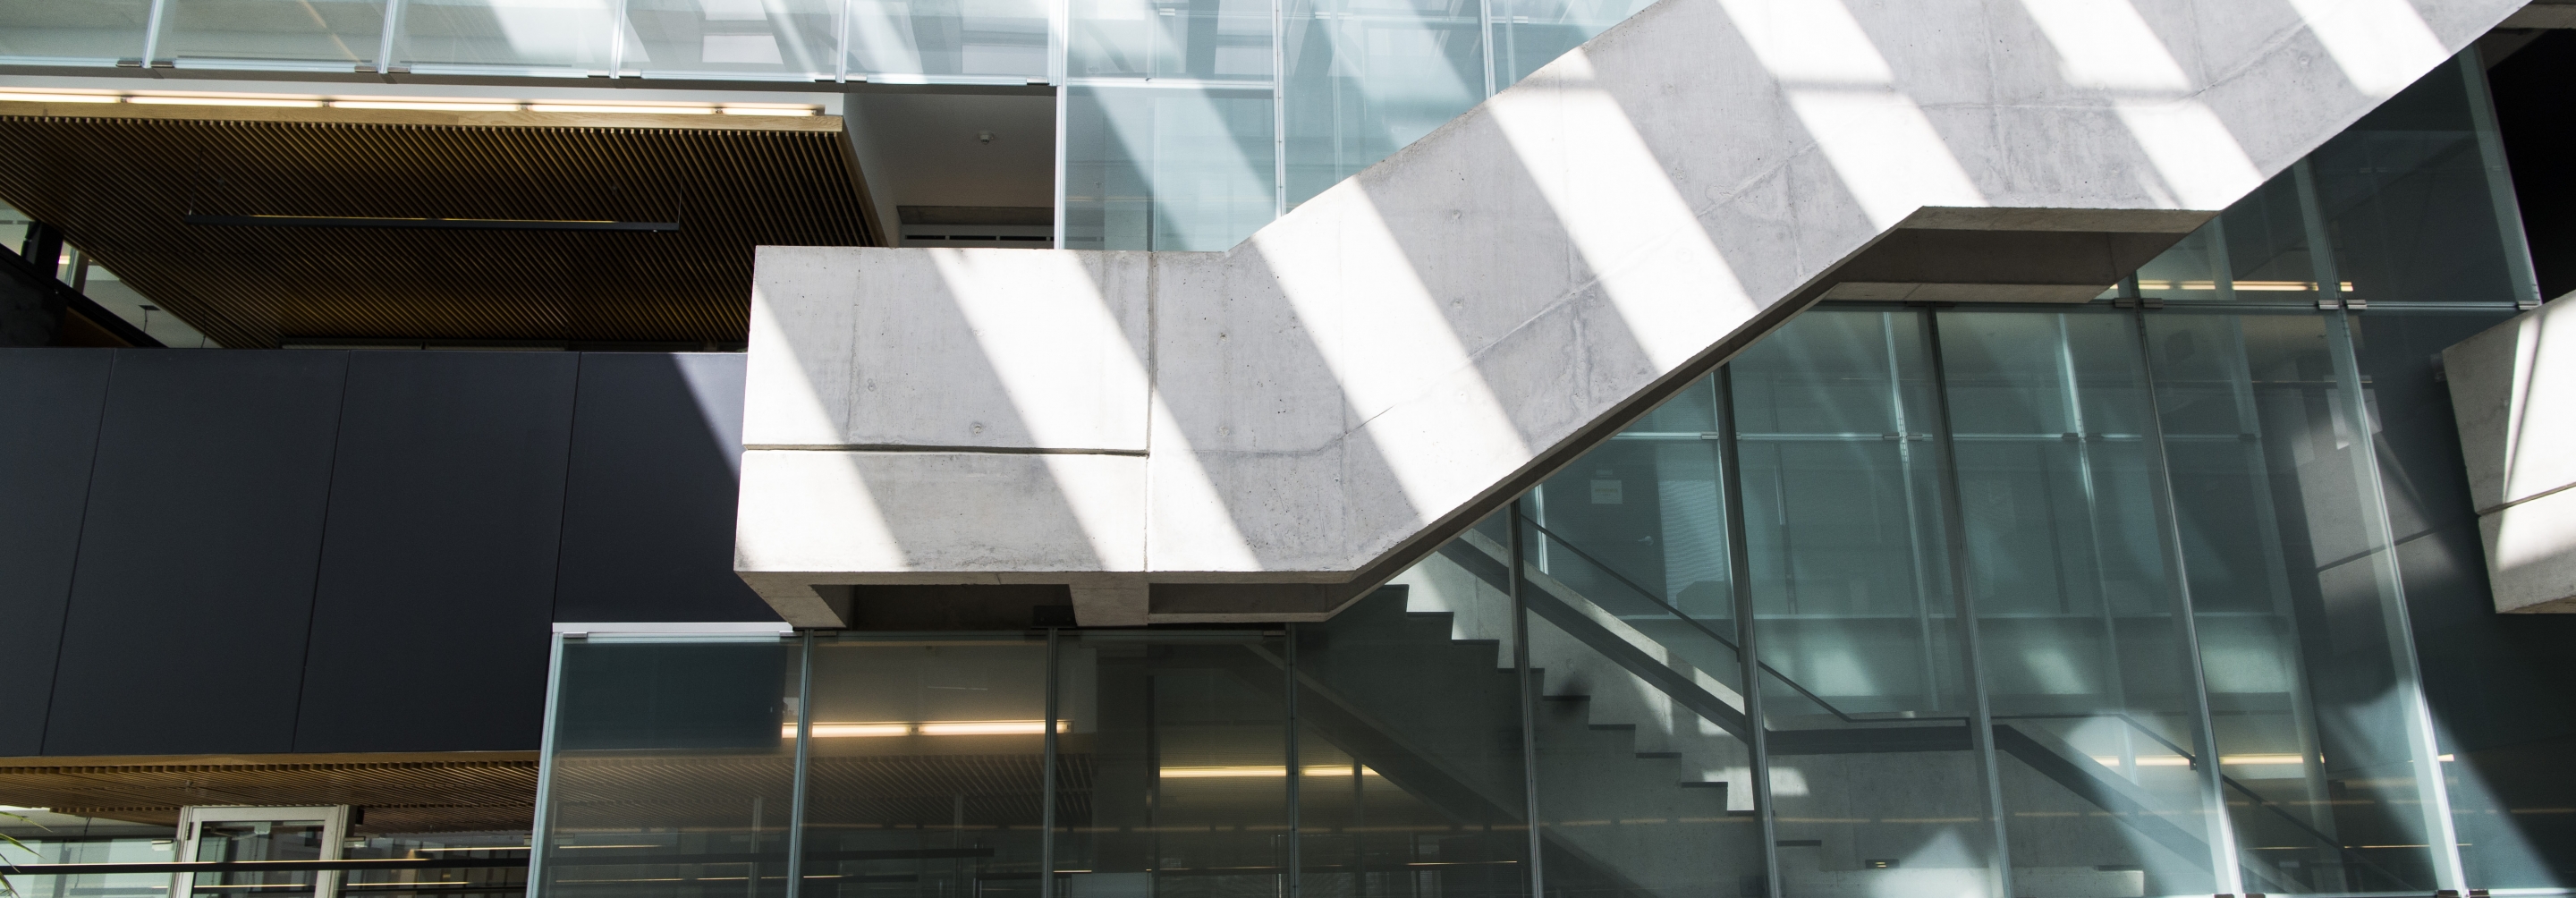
x,y
223,101
428,106
655,110
57,98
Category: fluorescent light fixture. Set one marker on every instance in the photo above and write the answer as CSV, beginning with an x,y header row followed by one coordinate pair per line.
x,y
841,730
15,97
770,110
837,730
2259,286
425,106
1255,772
223,101
592,107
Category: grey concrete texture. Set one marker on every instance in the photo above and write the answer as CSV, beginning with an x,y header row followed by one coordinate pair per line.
x,y
1365,375
2513,394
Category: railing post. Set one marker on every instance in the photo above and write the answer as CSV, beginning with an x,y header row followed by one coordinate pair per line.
x,y
1739,575
1529,704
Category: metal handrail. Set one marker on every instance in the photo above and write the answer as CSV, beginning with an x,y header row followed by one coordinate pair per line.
x,y
2134,723
1703,628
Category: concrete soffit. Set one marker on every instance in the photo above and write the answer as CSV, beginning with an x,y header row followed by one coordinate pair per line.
x,y
1267,432
2513,395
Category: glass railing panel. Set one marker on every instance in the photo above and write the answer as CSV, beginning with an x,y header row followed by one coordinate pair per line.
x,y
1409,719
93,32
985,39
672,770
1367,77
1169,166
1532,33
340,33
927,770
1173,765
786,39
2087,673
562,37
2298,618
58,839
496,847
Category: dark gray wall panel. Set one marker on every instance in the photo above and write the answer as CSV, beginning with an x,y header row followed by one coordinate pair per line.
x,y
648,517
49,407
438,565
194,584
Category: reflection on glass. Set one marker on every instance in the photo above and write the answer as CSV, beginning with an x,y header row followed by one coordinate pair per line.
x,y
93,32
430,848
699,38
1366,79
1533,33
521,34
2087,674
2289,567
340,31
672,769
1166,168
1173,773
927,769
1874,779
1408,742
985,38
258,840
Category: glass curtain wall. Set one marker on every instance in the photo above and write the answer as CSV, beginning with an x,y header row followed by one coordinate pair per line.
x,y
1985,601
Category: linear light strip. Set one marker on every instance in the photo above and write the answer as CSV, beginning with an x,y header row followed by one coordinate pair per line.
x,y
380,103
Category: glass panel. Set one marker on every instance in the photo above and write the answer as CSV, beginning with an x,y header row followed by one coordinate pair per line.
x,y
50,838
1006,38
430,848
928,769
2495,681
1409,739
99,32
2404,192
258,840
672,769
111,293
1173,777
1643,773
346,31
1876,787
1635,525
1532,33
556,34
1166,168
2088,676
1367,78
1220,40
2286,557
702,38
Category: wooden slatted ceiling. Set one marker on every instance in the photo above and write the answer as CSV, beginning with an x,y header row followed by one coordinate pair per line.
x,y
118,178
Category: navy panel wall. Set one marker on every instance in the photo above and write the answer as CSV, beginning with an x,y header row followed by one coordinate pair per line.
x,y
194,579
656,438
49,407
438,565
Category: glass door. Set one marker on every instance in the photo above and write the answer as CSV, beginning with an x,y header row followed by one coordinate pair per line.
x,y
260,834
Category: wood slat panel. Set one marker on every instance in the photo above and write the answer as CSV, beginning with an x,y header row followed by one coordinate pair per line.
x,y
118,178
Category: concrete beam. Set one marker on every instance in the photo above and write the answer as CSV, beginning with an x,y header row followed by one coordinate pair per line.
x,y
2513,392
1267,432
